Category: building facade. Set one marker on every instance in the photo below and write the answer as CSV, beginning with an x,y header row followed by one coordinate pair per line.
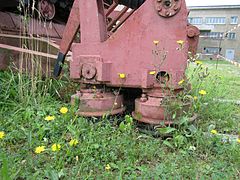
x,y
220,30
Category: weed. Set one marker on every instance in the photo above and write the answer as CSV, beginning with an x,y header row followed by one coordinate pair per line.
x,y
106,150
44,139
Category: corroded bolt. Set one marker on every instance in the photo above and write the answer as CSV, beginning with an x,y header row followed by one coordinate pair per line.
x,y
161,101
167,13
98,95
159,8
175,8
79,93
143,98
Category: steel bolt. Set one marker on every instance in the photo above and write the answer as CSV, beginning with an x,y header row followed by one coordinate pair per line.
x,y
159,8
99,95
167,13
175,8
143,98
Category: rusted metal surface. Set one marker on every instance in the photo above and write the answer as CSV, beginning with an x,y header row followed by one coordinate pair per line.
x,y
69,34
12,24
97,103
117,18
148,50
3,62
168,8
71,29
193,34
3,46
129,49
153,111
51,42
18,37
47,9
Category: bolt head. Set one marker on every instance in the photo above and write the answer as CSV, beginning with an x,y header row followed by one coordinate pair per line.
x,y
159,8
167,13
143,98
175,8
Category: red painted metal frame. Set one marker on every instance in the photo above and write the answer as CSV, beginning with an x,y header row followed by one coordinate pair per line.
x,y
129,50
13,32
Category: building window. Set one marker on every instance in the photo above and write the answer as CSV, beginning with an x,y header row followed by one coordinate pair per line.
x,y
195,20
215,20
213,35
232,36
211,50
234,20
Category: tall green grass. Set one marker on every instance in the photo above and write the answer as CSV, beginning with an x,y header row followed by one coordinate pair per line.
x,y
183,152
190,152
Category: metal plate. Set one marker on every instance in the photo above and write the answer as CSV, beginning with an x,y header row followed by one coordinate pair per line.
x,y
168,8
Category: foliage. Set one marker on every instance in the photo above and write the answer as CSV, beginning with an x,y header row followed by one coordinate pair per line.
x,y
42,138
107,149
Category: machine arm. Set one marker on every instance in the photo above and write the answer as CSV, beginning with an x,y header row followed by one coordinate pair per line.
x,y
70,31
73,26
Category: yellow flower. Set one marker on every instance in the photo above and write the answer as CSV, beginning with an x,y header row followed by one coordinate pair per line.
x,y
63,110
39,149
152,72
107,167
155,42
198,62
73,142
214,131
202,92
195,97
238,141
181,82
56,147
180,42
2,134
122,75
49,118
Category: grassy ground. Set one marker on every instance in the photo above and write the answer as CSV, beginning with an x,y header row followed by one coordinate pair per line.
x,y
108,151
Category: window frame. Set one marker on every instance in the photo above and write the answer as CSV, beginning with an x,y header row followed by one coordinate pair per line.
x,y
213,35
194,23
212,50
235,22
232,36
215,20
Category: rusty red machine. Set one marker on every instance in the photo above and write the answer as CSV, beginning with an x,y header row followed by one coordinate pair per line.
x,y
145,45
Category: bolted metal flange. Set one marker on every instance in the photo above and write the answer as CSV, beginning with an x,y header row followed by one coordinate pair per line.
x,y
154,110
88,71
168,8
47,9
192,31
95,102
